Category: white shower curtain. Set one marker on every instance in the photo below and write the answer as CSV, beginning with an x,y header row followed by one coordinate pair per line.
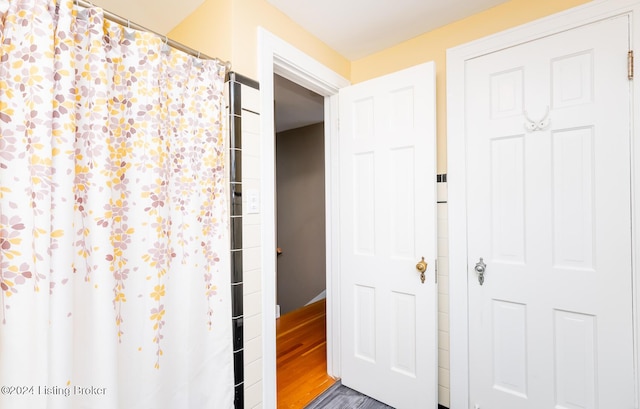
x,y
113,217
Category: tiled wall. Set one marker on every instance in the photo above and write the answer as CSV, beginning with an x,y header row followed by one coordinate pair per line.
x,y
244,162
443,293
252,250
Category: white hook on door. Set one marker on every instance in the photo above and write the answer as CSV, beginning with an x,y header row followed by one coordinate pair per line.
x,y
532,126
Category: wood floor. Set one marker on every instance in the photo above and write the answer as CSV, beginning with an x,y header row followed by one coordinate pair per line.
x,y
301,349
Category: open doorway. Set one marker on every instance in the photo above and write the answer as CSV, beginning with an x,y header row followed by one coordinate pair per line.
x,y
300,196
301,244
278,57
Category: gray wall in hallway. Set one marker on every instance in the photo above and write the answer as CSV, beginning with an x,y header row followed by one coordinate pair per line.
x,y
301,215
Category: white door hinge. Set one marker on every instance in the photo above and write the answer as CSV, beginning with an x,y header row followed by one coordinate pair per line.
x,y
630,64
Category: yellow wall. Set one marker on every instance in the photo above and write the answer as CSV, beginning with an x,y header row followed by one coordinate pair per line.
x,y
432,46
208,29
228,29
249,14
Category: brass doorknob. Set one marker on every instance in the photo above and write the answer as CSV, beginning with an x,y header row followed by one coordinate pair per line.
x,y
421,267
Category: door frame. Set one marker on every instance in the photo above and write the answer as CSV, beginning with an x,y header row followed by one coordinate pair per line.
x,y
456,61
275,56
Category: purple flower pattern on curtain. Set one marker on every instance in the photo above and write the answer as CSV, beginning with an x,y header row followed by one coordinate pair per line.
x,y
113,214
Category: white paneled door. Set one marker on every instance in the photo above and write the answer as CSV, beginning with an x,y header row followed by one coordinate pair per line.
x,y
548,190
388,225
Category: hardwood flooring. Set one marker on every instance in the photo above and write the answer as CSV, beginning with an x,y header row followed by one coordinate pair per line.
x,y
301,356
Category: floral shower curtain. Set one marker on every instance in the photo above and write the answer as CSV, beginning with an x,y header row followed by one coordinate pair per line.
x,y
113,233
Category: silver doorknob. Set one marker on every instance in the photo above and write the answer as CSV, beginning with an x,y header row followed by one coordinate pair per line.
x,y
480,268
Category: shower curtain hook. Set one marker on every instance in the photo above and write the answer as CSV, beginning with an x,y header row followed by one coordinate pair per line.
x,y
128,23
80,4
165,46
198,54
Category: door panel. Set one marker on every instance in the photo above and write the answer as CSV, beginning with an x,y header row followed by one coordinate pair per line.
x,y
510,345
388,223
548,159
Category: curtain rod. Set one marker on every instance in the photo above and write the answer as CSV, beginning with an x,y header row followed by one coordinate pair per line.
x,y
128,23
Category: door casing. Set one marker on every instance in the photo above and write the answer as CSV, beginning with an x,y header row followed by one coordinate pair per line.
x,y
278,57
456,58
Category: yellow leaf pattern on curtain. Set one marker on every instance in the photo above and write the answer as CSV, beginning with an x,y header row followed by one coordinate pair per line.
x,y
111,178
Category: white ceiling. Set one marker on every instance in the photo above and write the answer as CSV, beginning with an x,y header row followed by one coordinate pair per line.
x,y
295,106
357,28
354,28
